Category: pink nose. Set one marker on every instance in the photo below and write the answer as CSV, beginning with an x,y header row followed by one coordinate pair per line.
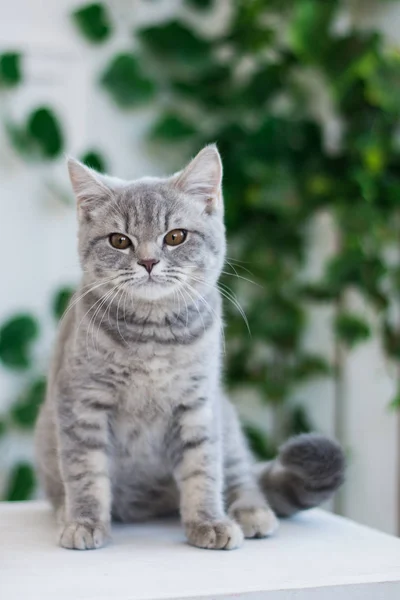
x,y
148,263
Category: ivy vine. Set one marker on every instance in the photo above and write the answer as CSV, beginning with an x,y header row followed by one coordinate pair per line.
x,y
280,174
248,88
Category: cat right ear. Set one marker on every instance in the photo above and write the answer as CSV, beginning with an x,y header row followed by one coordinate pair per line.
x,y
88,186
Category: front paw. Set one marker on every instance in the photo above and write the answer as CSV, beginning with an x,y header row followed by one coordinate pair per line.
x,y
217,535
255,521
79,536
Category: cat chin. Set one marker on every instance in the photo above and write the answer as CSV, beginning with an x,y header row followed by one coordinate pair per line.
x,y
152,292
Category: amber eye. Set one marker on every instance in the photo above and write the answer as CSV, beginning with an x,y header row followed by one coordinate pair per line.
x,y
175,237
120,241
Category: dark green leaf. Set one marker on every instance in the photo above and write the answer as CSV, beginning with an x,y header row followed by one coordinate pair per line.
x,y
284,323
171,127
93,21
61,301
3,427
10,69
309,30
200,4
299,421
310,366
21,484
45,131
174,41
248,32
16,336
395,403
25,411
94,160
351,329
391,340
316,292
126,82
210,88
259,443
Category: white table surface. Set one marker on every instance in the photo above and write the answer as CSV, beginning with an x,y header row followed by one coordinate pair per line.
x,y
315,556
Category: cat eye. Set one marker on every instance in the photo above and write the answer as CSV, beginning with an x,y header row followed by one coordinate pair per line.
x,y
175,237
119,241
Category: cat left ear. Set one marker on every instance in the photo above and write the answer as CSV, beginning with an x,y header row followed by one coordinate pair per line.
x,y
88,185
202,178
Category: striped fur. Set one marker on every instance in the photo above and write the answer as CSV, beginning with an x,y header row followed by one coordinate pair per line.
x,y
135,423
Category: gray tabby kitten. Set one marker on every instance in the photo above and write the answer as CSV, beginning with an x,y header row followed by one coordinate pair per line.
x,y
135,423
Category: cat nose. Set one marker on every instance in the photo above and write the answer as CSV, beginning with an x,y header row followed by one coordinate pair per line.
x,y
148,263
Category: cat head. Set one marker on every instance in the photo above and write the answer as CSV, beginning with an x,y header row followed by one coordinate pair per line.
x,y
154,236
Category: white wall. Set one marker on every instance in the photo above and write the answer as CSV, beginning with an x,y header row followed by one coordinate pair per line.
x,y
37,242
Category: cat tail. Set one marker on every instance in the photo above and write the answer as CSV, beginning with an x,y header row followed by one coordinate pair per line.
x,y
309,468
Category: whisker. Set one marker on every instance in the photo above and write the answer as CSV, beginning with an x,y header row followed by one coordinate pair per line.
x,y
93,318
123,292
244,278
229,295
95,286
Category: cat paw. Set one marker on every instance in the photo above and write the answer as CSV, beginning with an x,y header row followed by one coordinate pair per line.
x,y
79,536
217,535
255,521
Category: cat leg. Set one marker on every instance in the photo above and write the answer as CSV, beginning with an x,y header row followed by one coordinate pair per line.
x,y
244,499
195,451
82,442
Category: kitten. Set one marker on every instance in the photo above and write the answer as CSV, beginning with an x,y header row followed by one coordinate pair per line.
x,y
135,423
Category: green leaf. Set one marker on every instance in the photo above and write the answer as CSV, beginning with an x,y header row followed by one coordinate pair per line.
x,y
310,366
299,421
45,131
391,340
126,82
25,411
318,292
3,427
249,34
395,403
94,160
21,484
259,443
174,41
309,29
61,301
16,337
284,323
94,22
211,87
354,267
200,4
351,329
10,69
171,127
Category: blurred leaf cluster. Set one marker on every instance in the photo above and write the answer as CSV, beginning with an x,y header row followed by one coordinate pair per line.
x,y
18,335
242,89
249,87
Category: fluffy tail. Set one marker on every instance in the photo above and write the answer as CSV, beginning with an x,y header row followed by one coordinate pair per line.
x,y
307,471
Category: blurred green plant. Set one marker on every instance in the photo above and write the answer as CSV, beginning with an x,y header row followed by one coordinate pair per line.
x,y
247,88
95,160
40,137
10,69
126,82
17,337
94,22
279,174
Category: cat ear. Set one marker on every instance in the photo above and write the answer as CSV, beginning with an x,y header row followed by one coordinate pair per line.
x,y
202,178
88,185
